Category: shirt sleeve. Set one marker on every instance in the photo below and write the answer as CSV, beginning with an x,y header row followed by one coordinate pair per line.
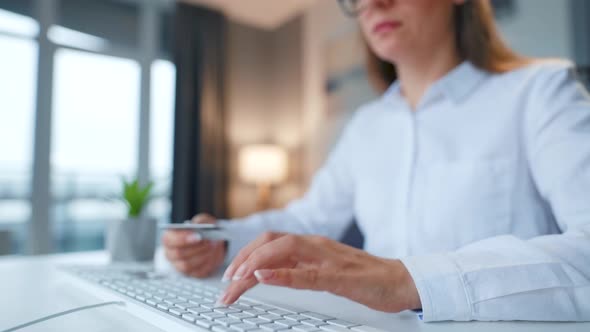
x,y
546,278
326,209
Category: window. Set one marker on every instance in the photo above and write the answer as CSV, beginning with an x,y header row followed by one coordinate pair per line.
x,y
18,65
161,138
94,143
114,21
16,24
98,49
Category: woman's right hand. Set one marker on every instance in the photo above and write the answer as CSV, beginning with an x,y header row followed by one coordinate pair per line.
x,y
192,255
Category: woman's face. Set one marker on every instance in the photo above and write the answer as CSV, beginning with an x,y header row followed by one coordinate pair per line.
x,y
401,30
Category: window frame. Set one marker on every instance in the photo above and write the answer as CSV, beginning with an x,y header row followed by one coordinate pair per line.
x,y
39,235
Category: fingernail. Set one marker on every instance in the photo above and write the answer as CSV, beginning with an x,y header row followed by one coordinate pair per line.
x,y
225,277
240,273
263,274
221,300
194,238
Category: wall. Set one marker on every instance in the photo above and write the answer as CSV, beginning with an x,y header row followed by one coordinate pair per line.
x,y
321,23
264,104
541,28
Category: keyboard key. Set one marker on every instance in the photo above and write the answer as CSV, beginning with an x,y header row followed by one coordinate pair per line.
x,y
205,323
198,310
212,315
305,328
225,310
263,307
197,301
286,322
313,322
184,305
172,301
364,329
333,328
256,321
315,315
152,302
248,303
177,311
239,315
228,321
255,312
161,297
211,288
296,318
240,307
280,312
189,317
211,305
244,327
162,306
270,317
273,327
220,328
341,323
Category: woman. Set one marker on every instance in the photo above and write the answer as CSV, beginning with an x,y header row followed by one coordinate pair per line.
x,y
469,177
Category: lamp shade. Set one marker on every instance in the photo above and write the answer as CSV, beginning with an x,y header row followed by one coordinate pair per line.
x,y
262,164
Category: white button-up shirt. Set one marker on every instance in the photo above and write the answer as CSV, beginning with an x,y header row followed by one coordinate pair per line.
x,y
483,192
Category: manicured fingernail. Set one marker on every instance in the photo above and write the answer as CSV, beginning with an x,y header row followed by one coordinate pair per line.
x,y
263,274
221,300
240,273
226,276
194,238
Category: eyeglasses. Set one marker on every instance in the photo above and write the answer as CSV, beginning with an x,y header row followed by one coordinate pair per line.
x,y
353,8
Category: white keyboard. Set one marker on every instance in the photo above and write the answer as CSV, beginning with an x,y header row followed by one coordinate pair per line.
x,y
182,303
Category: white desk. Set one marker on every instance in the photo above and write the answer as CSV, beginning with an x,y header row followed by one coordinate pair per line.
x,y
30,287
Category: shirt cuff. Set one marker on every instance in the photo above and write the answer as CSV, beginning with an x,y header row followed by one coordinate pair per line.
x,y
419,313
440,286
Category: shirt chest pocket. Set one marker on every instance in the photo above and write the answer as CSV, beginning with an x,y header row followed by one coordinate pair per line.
x,y
465,201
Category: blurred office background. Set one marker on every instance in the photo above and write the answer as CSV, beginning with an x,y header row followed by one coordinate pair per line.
x,y
189,95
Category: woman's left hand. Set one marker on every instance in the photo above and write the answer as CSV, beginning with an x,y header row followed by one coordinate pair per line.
x,y
318,263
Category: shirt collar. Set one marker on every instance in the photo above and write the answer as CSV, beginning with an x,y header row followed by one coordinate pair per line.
x,y
456,84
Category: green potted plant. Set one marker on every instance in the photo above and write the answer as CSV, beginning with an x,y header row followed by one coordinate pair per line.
x,y
134,238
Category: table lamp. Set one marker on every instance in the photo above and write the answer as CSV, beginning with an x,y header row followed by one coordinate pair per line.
x,y
264,165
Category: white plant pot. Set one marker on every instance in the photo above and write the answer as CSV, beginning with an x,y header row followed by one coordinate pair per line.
x,y
131,240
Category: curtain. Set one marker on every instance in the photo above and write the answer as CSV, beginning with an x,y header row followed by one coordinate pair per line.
x,y
199,175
